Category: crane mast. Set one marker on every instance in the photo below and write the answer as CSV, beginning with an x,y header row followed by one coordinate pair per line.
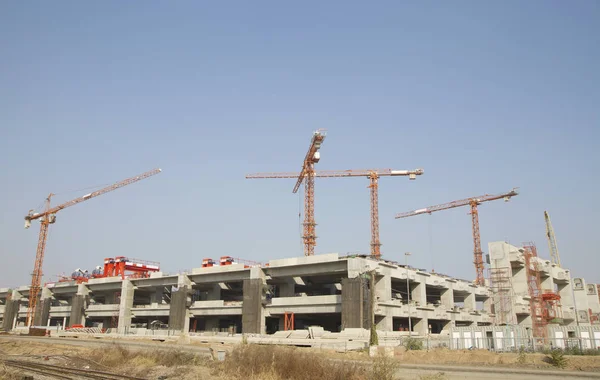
x,y
473,203
47,217
373,176
554,256
307,174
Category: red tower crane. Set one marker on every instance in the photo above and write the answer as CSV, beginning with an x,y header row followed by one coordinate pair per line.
x,y
307,175
47,217
373,176
473,202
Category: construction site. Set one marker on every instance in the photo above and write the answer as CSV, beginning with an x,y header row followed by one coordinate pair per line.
x,y
516,298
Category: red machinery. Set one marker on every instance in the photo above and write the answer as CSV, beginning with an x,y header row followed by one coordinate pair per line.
x,y
207,263
120,264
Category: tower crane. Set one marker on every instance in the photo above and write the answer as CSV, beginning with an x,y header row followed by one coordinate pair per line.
x,y
47,217
554,256
307,175
373,176
473,203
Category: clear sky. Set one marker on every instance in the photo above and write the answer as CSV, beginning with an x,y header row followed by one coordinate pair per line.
x,y
485,96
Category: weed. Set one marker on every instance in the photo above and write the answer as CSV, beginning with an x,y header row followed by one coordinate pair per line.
x,y
557,359
522,358
374,338
576,350
413,344
384,368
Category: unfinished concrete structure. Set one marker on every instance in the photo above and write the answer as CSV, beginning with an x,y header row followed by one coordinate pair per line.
x,y
511,300
328,290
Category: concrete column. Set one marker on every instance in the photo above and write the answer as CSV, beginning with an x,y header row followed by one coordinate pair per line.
x,y
42,310
212,324
421,327
253,315
178,310
356,305
447,296
156,297
10,313
383,288
77,310
214,294
566,294
288,289
78,306
487,304
127,292
547,283
418,293
386,322
470,302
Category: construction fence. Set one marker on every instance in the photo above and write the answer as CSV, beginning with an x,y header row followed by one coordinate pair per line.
x,y
514,338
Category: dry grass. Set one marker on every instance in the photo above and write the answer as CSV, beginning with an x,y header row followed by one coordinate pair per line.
x,y
437,376
9,374
121,358
384,368
284,363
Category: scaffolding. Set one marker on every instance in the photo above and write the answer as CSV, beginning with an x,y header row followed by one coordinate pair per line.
x,y
536,301
502,295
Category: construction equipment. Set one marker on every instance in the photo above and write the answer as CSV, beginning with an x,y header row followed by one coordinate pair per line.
x,y
473,202
554,256
373,176
47,217
307,175
544,304
120,265
308,167
207,263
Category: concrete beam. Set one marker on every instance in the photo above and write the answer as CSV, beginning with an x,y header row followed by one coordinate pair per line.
x,y
332,267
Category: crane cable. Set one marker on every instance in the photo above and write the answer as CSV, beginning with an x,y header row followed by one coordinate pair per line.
x,y
431,255
300,220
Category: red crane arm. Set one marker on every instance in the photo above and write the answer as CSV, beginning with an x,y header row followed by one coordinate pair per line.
x,y
341,173
460,203
311,156
105,190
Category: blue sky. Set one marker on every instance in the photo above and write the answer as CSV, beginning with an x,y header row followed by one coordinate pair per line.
x,y
485,96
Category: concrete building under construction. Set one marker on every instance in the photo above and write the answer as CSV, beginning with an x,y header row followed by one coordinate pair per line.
x,y
332,291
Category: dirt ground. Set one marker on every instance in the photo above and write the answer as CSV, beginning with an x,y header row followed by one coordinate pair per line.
x,y
152,364
108,359
487,358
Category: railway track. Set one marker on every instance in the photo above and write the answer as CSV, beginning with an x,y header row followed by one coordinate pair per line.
x,y
59,372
